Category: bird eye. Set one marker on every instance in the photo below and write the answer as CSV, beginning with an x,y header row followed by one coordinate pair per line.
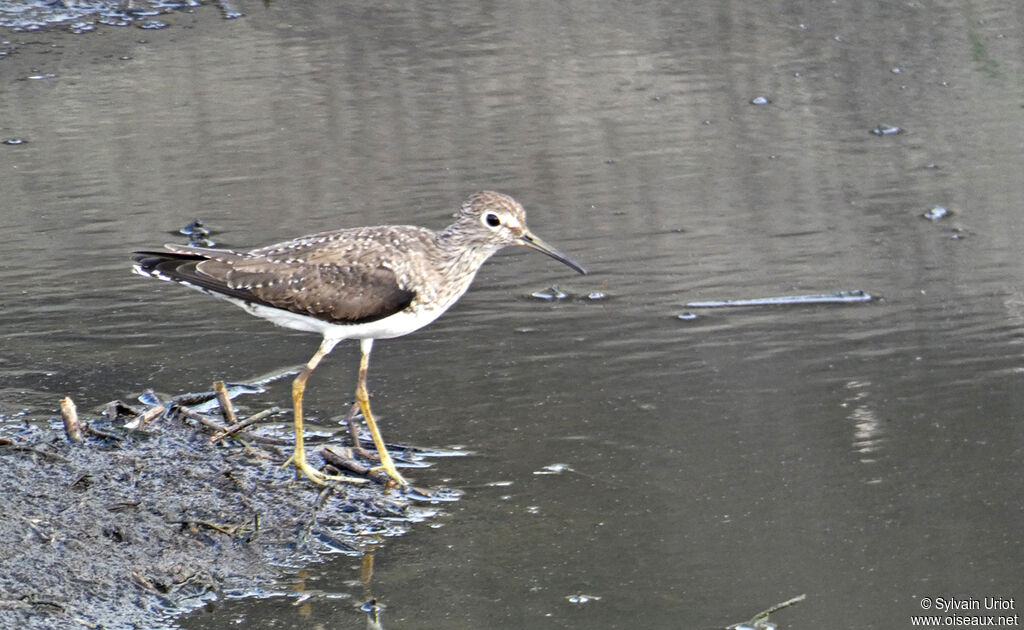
x,y
492,220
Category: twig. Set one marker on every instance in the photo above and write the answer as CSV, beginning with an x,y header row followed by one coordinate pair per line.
x,y
30,601
219,428
252,451
227,530
35,451
72,427
209,422
198,417
103,434
146,417
345,462
780,606
755,621
238,426
268,440
115,408
141,580
323,495
226,409
152,414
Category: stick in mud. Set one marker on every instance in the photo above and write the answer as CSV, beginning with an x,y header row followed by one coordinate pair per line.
x,y
206,421
72,427
344,462
145,417
151,414
226,409
238,426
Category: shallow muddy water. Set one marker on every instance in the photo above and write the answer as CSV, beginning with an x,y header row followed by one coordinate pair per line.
x,y
682,472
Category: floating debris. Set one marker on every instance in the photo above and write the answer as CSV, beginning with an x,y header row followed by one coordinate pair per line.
x,y
687,315
759,100
197,234
82,27
936,213
15,141
424,451
581,598
840,297
202,402
149,398
554,293
195,228
229,10
551,293
886,130
206,401
41,77
371,607
553,469
760,620
435,495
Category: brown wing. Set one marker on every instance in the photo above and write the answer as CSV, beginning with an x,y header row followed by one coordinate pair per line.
x,y
344,294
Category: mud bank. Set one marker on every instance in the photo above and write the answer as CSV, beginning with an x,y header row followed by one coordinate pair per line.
x,y
131,528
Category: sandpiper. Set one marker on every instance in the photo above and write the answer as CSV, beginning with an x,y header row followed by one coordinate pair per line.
x,y
359,283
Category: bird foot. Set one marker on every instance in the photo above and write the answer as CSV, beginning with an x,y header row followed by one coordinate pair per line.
x,y
396,478
318,476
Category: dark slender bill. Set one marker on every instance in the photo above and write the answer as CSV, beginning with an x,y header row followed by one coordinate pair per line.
x,y
533,242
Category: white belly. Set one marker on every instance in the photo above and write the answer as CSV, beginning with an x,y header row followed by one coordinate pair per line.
x,y
396,325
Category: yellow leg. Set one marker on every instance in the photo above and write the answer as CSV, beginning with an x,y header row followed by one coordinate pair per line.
x,y
363,399
298,388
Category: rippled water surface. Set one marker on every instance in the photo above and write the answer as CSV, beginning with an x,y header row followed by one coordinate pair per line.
x,y
676,472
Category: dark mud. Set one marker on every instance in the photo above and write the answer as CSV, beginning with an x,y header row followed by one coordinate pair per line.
x,y
83,17
131,528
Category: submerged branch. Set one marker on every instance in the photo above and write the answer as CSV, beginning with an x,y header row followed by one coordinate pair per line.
x,y
760,620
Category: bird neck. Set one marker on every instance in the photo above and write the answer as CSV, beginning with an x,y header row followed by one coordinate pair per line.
x,y
463,250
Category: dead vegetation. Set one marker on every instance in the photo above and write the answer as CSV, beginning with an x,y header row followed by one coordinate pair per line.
x,y
131,518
